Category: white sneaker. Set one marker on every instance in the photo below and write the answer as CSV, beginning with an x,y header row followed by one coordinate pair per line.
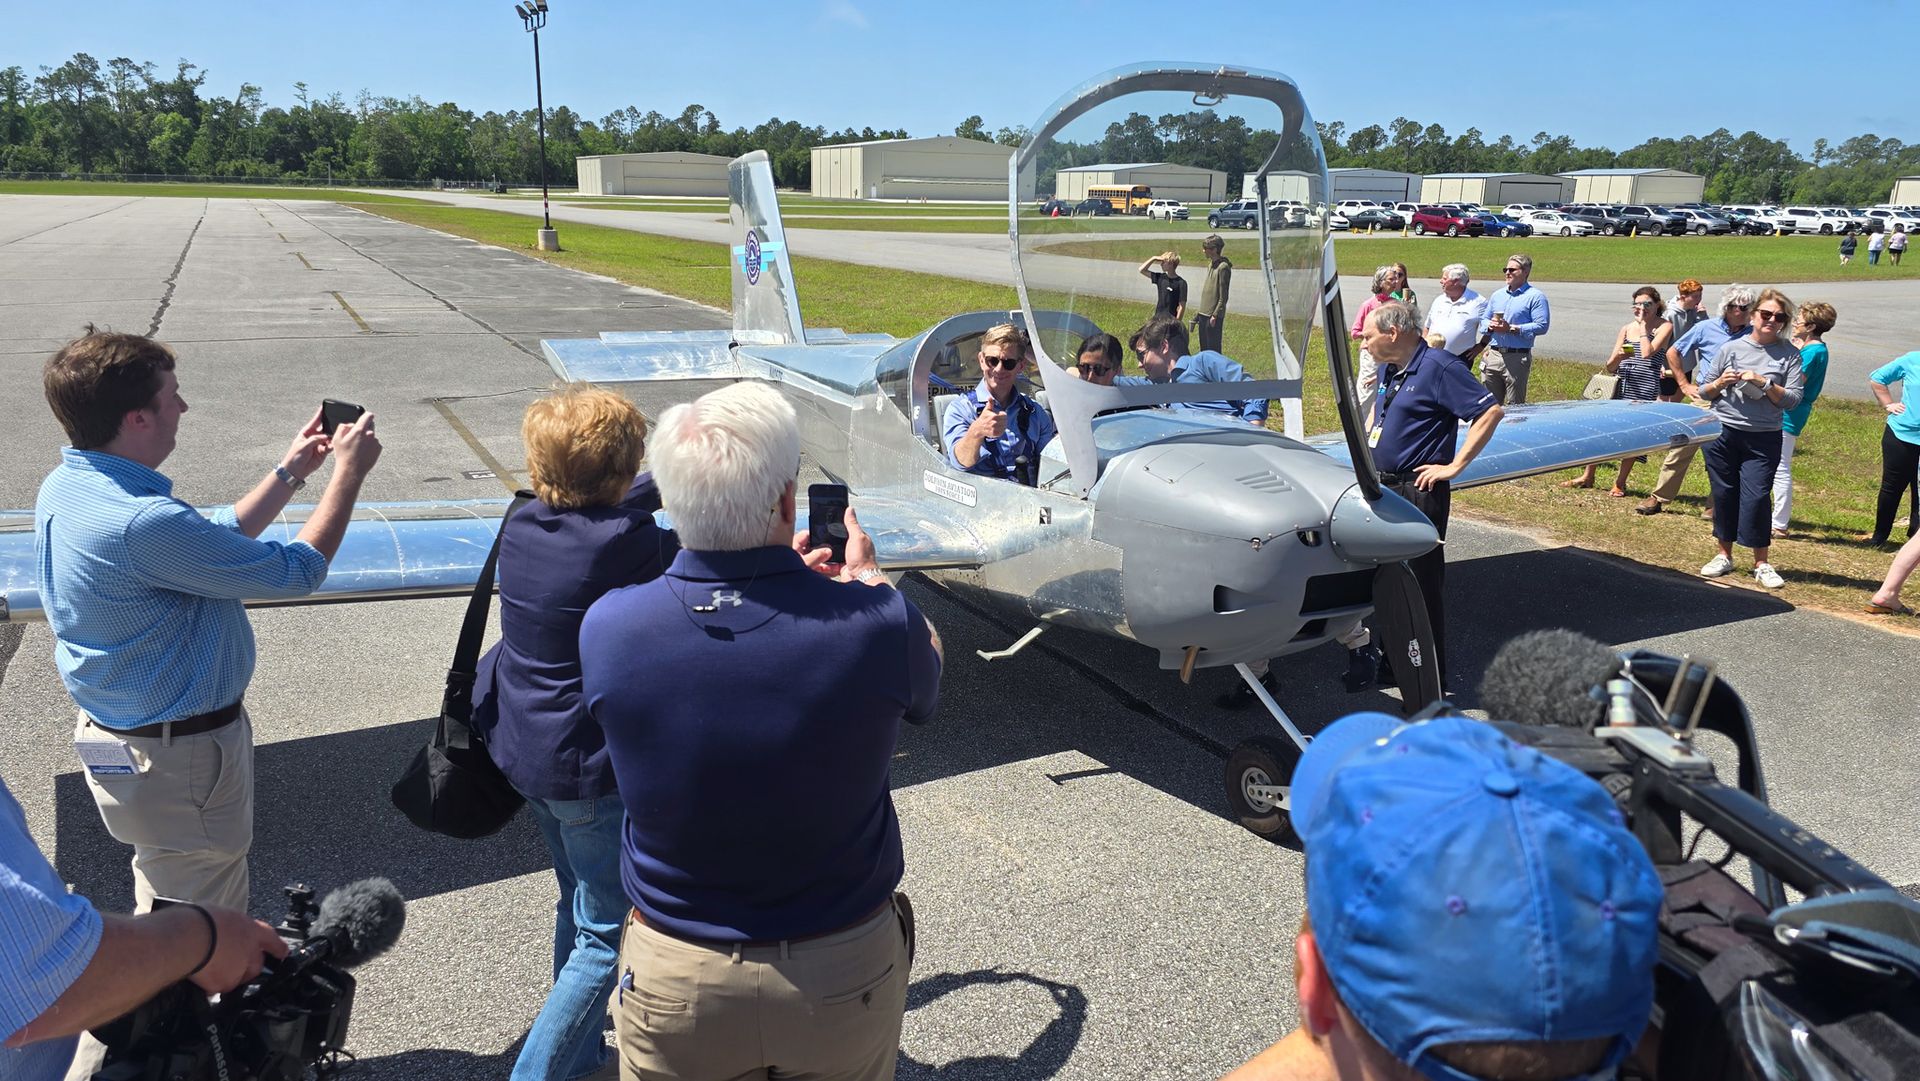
x,y
1717,567
1767,576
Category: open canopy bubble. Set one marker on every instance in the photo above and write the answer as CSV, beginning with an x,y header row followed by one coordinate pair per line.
x,y
1237,150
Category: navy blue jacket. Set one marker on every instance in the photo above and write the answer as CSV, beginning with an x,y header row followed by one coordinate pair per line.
x,y
527,700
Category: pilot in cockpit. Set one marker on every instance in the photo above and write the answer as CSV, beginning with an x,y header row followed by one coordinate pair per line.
x,y
1164,357
993,429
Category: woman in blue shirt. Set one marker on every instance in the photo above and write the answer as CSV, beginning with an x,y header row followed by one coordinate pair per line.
x,y
1814,319
1899,447
591,530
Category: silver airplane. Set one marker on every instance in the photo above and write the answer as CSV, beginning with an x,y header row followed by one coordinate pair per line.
x,y
1211,541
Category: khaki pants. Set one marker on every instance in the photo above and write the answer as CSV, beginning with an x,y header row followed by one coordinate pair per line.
x,y
1505,374
189,816
1673,472
827,1007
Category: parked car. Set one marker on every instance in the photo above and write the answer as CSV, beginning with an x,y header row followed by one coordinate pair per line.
x,y
1703,222
1098,208
1406,210
1554,223
1521,210
1503,225
1291,212
1370,218
1048,207
1813,219
1243,214
1348,206
1604,222
1646,218
1433,219
1887,217
1770,216
1167,209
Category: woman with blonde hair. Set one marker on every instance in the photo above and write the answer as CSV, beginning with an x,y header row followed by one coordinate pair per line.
x,y
1814,319
589,530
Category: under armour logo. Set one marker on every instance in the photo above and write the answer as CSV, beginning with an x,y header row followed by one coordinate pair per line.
x,y
720,597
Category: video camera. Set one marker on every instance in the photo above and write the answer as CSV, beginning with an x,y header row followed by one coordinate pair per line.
x,y
292,1018
1751,983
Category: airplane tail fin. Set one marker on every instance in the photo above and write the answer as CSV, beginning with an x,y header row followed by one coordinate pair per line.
x,y
765,309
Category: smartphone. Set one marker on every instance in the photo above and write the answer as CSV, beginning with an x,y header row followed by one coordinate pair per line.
x,y
827,518
334,413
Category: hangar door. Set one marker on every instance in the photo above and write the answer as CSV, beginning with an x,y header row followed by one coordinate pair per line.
x,y
1525,191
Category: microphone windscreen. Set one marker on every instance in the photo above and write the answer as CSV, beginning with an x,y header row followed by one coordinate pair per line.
x,y
1546,678
363,919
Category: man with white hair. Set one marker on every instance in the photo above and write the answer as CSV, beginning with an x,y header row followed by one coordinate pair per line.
x,y
1457,313
751,699
1691,350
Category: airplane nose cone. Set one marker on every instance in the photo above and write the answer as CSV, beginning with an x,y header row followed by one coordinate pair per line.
x,y
1386,530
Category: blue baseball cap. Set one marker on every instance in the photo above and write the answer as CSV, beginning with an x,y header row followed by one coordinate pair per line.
x,y
1464,888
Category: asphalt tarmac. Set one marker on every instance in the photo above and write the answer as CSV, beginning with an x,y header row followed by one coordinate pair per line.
x,y
1086,908
1877,319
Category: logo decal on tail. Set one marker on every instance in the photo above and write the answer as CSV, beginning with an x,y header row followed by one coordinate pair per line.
x,y
750,257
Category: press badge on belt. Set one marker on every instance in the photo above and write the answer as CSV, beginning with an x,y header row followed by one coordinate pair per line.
x,y
107,755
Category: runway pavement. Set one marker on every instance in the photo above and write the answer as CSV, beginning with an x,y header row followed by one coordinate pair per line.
x,y
1086,909
1878,320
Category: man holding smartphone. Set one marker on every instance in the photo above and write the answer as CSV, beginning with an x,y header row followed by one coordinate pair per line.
x,y
144,597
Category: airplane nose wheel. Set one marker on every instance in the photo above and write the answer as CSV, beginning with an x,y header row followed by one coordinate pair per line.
x,y
1259,772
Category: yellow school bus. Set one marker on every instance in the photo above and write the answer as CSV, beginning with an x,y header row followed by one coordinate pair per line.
x,y
1124,198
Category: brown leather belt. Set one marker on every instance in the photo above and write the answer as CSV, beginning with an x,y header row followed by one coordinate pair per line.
x,y
185,726
721,944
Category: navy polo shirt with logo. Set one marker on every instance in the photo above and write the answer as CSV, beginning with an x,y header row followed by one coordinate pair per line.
x,y
1421,407
752,743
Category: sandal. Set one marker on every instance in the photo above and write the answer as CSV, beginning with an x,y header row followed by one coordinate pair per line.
x,y
1875,608
1617,492
1576,483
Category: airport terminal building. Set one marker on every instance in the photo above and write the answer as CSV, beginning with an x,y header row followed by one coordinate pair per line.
x,y
667,173
937,168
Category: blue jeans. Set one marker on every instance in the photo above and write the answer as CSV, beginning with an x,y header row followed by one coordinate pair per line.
x,y
584,837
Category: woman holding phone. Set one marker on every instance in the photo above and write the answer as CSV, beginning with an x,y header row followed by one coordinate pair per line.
x,y
590,530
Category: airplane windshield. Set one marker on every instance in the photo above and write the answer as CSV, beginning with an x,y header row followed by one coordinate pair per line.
x,y
1134,172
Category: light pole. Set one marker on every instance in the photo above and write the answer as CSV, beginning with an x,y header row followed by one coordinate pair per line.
x,y
534,15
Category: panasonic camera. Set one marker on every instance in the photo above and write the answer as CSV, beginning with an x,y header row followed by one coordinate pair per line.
x,y
1809,968
289,1021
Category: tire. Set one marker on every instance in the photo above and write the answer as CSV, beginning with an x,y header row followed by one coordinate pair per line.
x,y
1607,230
1419,228
1506,230
1566,230
1826,230
1213,222
1453,230
1699,230
1262,760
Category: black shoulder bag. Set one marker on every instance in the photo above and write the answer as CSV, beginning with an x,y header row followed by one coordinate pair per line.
x,y
452,786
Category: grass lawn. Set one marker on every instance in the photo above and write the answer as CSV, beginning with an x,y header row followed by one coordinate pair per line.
x,y
1836,467
194,191
1657,260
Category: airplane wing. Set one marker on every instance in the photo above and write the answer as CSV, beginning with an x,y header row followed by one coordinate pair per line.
x,y
1556,435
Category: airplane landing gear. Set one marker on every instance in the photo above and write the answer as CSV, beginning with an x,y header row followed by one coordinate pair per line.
x,y
1258,774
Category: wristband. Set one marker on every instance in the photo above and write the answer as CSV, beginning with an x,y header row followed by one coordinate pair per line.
x,y
868,575
213,936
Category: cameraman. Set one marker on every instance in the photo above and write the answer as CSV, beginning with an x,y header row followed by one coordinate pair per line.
x,y
70,968
1476,912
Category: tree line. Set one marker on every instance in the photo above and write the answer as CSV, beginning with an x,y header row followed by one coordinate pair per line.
x,y
127,117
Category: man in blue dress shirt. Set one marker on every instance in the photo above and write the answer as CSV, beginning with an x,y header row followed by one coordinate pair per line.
x,y
144,596
70,968
993,429
1516,316
1165,359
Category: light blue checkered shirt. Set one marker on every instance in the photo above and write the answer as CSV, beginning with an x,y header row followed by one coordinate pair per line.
x,y
47,938
143,592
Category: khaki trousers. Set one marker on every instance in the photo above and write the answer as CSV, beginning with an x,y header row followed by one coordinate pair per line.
x,y
827,1007
1505,374
1673,472
188,816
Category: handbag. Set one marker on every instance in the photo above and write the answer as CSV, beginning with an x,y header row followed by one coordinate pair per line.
x,y
452,786
1601,387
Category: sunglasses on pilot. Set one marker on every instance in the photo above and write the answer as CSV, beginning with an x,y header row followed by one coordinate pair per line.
x,y
1094,369
1003,363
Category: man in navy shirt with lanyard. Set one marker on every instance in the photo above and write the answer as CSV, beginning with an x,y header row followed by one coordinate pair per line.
x,y
1425,393
991,428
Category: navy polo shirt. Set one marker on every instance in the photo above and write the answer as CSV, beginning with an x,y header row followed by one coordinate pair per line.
x,y
526,700
1421,407
753,743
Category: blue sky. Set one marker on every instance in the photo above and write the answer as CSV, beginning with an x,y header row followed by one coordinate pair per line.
x,y
1611,77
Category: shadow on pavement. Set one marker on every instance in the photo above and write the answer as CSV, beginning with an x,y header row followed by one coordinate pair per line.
x,y
1044,1056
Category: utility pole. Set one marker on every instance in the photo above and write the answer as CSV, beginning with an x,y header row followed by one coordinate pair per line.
x,y
534,15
